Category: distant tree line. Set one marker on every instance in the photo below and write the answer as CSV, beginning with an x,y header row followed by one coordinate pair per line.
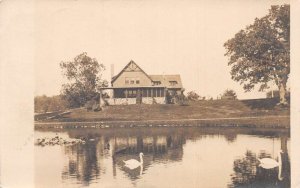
x,y
43,104
228,94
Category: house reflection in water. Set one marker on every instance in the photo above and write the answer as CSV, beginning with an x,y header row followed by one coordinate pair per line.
x,y
85,161
155,148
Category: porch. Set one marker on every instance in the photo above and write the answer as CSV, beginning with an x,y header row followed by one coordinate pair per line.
x,y
136,95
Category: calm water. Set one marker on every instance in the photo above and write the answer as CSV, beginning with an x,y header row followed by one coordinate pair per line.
x,y
173,157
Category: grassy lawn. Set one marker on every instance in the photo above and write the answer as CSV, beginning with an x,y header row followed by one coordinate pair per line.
x,y
194,110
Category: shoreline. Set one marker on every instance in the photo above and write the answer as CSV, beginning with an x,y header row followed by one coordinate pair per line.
x,y
282,122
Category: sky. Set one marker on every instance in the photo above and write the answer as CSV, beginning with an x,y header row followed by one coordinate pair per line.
x,y
183,37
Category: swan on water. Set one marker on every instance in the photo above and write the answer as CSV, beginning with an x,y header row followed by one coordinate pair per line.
x,y
268,163
133,163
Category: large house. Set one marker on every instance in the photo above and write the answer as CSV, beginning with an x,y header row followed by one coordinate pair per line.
x,y
134,86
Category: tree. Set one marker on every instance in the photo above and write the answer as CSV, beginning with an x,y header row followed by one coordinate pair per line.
x,y
84,79
229,94
260,54
192,96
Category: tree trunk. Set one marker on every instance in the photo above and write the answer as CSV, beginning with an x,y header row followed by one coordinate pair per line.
x,y
282,93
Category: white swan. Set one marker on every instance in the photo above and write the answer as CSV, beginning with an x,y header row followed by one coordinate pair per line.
x,y
132,163
268,163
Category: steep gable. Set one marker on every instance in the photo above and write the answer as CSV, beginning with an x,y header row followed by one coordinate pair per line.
x,y
131,76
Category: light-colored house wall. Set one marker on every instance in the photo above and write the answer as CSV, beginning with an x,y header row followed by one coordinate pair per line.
x,y
154,100
144,80
145,100
121,101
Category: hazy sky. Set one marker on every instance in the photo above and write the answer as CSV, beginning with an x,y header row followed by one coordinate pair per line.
x,y
164,37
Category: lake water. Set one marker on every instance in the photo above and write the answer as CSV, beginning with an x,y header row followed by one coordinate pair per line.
x,y
173,157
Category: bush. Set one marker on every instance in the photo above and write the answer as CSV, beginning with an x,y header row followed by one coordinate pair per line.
x,y
193,96
229,94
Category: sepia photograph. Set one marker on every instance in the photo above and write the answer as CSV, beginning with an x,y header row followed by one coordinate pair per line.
x,y
152,94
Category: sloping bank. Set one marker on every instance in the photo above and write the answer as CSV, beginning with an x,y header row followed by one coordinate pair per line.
x,y
280,122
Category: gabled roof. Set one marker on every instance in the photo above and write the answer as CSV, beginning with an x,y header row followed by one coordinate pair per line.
x,y
131,62
166,79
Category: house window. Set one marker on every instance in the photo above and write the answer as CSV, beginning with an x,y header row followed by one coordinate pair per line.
x,y
144,93
173,83
154,92
132,81
131,93
157,82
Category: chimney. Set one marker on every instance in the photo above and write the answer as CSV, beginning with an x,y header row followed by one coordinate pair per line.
x,y
112,70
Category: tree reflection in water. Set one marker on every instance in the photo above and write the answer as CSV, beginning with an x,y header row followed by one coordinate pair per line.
x,y
83,162
247,173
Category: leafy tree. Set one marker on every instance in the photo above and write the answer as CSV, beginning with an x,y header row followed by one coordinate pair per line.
x,y
192,96
229,94
84,79
260,54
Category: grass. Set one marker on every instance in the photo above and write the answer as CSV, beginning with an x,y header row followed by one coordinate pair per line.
x,y
265,109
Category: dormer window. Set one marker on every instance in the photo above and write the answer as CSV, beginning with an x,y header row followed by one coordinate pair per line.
x,y
156,83
173,83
